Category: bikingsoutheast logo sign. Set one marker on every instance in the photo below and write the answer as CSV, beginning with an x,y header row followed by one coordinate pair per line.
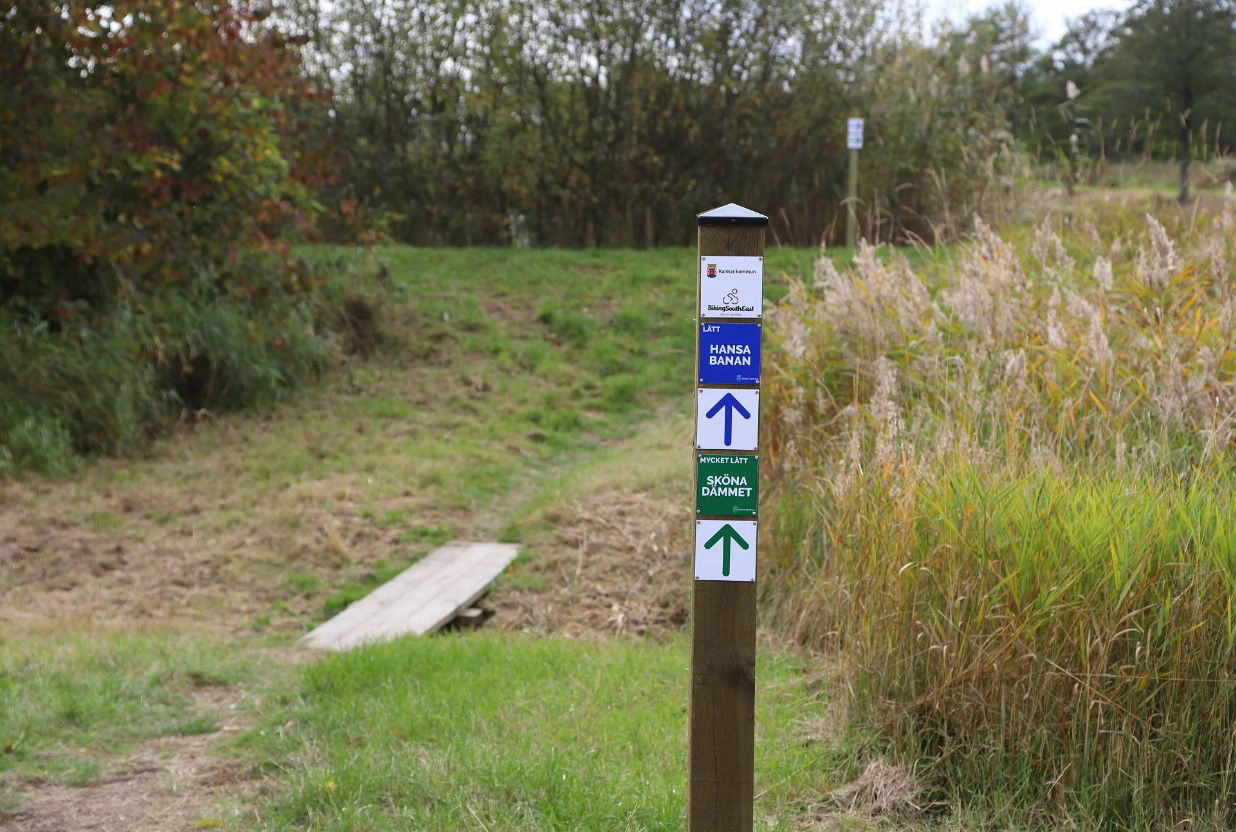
x,y
731,287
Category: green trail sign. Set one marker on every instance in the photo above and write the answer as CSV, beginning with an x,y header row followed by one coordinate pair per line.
x,y
726,485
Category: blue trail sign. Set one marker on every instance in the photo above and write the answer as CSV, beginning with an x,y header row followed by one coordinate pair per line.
x,y
729,353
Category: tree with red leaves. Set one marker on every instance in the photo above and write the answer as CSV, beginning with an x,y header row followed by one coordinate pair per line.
x,y
144,142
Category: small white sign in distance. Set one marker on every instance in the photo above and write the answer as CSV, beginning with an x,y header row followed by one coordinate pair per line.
x,y
731,287
727,420
854,134
725,550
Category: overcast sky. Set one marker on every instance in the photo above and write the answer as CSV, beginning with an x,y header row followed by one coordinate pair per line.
x,y
1049,16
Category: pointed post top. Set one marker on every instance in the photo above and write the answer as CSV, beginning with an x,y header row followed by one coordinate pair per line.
x,y
732,214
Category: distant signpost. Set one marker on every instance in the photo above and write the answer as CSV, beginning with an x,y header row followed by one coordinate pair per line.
x,y
854,143
854,134
727,429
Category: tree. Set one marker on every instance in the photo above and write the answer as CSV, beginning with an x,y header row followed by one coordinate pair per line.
x,y
143,142
610,122
1173,54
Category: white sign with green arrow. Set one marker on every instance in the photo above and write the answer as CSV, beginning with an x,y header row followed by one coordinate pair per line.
x,y
725,550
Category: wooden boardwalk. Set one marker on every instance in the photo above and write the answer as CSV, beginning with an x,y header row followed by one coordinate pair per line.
x,y
418,600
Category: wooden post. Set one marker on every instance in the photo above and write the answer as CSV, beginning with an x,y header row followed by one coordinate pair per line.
x,y
854,142
722,719
851,201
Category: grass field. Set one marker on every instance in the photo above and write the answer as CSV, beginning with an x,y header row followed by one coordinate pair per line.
x,y
149,603
68,702
515,732
491,732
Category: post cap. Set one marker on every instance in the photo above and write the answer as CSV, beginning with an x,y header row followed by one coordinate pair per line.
x,y
732,214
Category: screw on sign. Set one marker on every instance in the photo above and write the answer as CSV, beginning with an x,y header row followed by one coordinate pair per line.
x,y
726,485
731,286
729,353
730,302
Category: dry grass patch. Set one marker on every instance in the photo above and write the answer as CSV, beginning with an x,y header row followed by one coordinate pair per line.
x,y
612,564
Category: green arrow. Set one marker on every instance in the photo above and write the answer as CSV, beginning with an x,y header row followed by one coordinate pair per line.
x,y
725,534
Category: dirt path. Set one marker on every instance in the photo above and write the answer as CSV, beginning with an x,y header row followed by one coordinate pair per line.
x,y
165,785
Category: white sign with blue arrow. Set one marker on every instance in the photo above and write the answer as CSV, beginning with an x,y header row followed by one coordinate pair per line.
x,y
727,420
725,550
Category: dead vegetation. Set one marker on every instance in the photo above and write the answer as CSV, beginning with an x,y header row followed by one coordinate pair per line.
x,y
882,790
614,563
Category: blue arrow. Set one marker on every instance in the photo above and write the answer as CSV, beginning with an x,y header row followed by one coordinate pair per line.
x,y
725,534
730,404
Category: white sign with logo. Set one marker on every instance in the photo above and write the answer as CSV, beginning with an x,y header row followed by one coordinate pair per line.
x,y
725,550
854,134
731,287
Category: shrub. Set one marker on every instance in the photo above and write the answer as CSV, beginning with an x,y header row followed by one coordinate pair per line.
x,y
140,140
78,389
33,439
231,352
105,382
152,176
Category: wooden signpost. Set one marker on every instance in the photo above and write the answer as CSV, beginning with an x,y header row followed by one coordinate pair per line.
x,y
854,143
722,722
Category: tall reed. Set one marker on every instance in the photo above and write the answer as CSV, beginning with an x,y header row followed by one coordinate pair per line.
x,y
1001,488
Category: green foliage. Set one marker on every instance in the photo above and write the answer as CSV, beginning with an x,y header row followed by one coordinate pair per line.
x,y
152,171
81,390
105,383
1061,640
1154,82
938,151
230,352
32,439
